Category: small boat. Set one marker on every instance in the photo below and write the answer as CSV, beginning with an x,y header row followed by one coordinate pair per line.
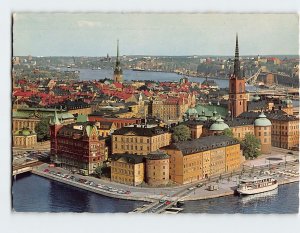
x,y
257,185
138,69
173,210
179,204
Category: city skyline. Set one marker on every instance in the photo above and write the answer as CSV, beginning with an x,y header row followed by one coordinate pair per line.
x,y
95,34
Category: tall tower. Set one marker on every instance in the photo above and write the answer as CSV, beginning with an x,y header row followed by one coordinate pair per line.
x,y
55,125
237,102
118,73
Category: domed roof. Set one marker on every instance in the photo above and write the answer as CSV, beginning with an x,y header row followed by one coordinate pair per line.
x,y
256,98
219,125
262,120
202,118
191,111
287,101
24,132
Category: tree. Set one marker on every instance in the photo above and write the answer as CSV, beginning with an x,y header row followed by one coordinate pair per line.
x,y
98,171
250,146
181,133
102,170
42,130
228,132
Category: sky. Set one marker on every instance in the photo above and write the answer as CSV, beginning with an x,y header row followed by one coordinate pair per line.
x,y
95,34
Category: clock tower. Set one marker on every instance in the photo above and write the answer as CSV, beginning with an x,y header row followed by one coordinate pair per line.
x,y
237,102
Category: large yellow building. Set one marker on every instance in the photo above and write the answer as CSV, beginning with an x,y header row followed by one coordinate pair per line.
x,y
201,158
139,139
127,169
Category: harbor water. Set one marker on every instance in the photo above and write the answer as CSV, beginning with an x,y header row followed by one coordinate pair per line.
x,y
32,193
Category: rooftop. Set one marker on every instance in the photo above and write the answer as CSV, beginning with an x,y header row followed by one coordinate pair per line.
x,y
203,144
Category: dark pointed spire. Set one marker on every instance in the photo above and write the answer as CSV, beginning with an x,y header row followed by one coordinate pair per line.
x,y
118,69
236,71
117,61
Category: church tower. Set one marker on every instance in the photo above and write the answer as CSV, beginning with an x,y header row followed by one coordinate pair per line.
x,y
55,125
118,73
237,102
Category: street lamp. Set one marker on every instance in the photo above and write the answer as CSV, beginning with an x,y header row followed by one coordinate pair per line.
x,y
284,161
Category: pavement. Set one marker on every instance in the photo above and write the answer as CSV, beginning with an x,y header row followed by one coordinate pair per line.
x,y
278,155
226,185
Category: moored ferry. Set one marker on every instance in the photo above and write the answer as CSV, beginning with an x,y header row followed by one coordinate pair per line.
x,y
257,185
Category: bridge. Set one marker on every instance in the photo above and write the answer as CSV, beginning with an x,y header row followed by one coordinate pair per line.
x,y
25,167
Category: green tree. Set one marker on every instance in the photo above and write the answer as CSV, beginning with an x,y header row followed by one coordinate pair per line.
x,y
181,133
98,171
228,132
42,130
250,146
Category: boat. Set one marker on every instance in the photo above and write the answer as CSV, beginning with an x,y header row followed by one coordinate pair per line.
x,y
138,69
257,185
259,197
173,210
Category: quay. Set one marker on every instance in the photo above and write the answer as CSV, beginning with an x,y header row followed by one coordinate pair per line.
x,y
160,199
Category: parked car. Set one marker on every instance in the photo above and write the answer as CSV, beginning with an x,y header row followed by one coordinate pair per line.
x,y
46,170
191,188
127,192
199,185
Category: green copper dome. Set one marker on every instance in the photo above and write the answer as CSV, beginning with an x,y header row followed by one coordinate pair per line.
x,y
262,121
219,125
192,111
24,132
256,98
202,118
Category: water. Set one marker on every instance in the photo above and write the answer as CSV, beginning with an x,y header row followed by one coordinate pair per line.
x,y
32,193
283,201
88,74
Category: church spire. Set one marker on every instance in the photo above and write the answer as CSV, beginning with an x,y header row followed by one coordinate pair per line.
x,y
55,120
117,61
236,71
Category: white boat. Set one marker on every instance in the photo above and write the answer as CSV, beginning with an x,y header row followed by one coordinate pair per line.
x,y
173,210
257,185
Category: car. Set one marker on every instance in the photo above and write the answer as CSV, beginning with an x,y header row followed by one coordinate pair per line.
x,y
167,202
86,182
162,201
100,186
199,185
290,153
113,190
46,170
121,192
91,183
127,192
191,188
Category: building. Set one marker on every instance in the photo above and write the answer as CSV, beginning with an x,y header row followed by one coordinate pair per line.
x,y
262,130
127,169
157,168
118,122
139,139
24,138
237,102
76,146
201,158
30,117
284,128
170,109
118,73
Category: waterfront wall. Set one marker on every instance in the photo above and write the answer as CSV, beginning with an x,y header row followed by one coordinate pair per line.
x,y
92,189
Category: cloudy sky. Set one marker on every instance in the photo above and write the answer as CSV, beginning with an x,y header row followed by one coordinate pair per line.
x,y
95,34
